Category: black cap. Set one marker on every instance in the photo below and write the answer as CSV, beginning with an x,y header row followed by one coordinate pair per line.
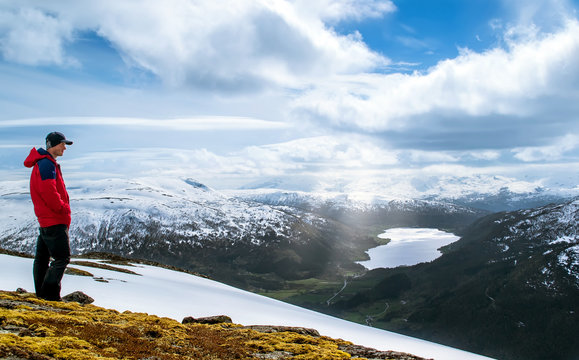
x,y
55,138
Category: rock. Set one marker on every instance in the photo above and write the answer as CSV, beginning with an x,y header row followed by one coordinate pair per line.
x,y
218,319
275,329
21,291
358,351
276,355
79,297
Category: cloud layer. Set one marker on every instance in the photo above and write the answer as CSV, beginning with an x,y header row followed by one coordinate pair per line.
x,y
244,70
523,88
32,37
227,45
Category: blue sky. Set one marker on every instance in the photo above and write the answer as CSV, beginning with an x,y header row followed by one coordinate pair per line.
x,y
326,95
424,32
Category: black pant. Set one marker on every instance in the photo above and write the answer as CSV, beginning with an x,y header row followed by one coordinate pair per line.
x,y
52,242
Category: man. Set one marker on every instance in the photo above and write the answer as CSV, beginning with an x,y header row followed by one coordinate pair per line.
x,y
52,208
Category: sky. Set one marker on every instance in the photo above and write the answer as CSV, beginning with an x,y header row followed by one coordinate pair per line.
x,y
317,96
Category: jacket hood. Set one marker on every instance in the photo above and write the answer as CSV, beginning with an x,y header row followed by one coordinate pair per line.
x,y
35,156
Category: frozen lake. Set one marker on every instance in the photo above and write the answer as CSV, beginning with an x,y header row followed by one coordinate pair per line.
x,y
408,246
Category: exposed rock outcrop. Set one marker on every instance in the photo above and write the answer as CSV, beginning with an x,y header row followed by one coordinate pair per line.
x,y
210,320
79,297
358,351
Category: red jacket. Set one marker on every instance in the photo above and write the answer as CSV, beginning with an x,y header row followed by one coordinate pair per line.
x,y
47,189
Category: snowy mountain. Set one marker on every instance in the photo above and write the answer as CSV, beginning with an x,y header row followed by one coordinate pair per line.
x,y
483,191
341,203
223,234
551,231
172,294
115,213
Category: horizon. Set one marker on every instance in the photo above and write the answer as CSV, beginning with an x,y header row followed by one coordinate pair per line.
x,y
346,95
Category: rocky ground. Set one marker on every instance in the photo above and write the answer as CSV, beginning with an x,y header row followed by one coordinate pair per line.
x,y
31,328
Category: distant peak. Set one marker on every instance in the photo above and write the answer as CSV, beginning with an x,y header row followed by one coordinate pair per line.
x,y
197,184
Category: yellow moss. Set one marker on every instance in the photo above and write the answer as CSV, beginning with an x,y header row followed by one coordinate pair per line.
x,y
40,330
302,346
65,347
58,347
77,272
15,322
77,332
8,339
110,350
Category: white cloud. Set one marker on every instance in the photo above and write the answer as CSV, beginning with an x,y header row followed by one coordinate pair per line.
x,y
336,10
342,163
520,81
432,156
15,146
29,36
315,156
548,153
323,153
227,45
201,123
419,156
531,14
484,155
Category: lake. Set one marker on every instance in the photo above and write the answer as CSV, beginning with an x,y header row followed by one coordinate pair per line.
x,y
408,246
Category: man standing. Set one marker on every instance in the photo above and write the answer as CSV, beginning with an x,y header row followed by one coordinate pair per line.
x,y
52,208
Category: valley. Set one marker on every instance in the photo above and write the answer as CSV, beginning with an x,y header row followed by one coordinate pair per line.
x,y
508,289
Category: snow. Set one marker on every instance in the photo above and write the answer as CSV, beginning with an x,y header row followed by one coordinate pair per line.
x,y
408,246
176,295
565,239
182,208
435,182
569,261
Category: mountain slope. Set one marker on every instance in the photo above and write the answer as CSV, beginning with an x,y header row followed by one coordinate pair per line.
x,y
175,295
509,288
32,328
